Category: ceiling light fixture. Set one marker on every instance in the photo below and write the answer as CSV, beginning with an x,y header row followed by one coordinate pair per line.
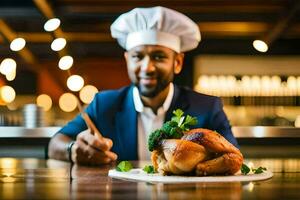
x,y
7,66
58,44
75,83
17,44
260,45
65,62
52,24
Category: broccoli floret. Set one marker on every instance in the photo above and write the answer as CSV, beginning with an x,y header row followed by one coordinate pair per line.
x,y
175,133
167,127
155,138
171,129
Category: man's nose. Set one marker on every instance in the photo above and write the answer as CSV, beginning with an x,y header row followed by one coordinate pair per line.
x,y
147,65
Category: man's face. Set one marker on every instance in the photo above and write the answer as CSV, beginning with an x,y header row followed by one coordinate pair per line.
x,y
151,68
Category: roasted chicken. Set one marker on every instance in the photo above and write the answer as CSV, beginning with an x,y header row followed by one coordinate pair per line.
x,y
199,152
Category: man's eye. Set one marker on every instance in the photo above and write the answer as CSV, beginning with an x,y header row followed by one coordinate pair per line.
x,y
137,56
159,57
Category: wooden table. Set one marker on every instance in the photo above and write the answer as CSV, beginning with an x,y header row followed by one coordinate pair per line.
x,y
51,179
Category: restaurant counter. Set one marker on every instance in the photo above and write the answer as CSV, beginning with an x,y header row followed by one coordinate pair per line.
x,y
255,142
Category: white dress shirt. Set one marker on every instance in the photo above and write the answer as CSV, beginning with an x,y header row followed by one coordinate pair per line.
x,y
148,121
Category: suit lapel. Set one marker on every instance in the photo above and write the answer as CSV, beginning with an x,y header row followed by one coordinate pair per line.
x,y
181,101
126,124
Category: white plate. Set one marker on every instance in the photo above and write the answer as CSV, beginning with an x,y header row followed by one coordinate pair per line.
x,y
139,175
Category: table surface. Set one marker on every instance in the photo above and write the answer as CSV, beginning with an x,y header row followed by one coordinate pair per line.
x,y
51,179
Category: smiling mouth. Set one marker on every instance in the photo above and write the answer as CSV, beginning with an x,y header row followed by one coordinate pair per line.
x,y
148,81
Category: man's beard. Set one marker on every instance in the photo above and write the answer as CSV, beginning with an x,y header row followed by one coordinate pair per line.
x,y
154,91
162,83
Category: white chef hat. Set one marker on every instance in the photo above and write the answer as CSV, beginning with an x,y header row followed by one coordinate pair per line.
x,y
156,26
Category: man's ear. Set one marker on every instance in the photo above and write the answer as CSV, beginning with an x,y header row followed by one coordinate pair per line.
x,y
126,55
178,62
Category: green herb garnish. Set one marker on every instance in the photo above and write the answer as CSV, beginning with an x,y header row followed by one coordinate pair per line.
x,y
259,170
171,129
245,169
188,121
124,166
178,114
149,169
183,122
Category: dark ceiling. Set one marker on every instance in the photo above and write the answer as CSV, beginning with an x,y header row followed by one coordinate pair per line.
x,y
227,26
85,24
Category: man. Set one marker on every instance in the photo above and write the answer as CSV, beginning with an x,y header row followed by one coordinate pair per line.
x,y
154,39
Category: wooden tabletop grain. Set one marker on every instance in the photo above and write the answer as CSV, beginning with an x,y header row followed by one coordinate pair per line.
x,y
51,179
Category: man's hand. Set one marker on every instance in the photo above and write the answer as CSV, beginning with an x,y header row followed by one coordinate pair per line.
x,y
89,149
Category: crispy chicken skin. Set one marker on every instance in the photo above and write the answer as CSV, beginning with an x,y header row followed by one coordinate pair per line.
x,y
200,151
178,156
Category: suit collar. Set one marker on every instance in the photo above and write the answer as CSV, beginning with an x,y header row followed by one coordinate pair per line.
x,y
139,106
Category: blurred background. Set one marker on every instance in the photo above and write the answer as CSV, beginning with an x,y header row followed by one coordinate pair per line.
x,y
52,52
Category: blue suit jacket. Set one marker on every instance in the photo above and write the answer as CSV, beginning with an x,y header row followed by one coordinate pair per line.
x,y
114,115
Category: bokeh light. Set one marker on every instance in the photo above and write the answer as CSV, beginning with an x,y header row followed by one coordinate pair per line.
x,y
87,93
260,46
65,62
7,94
44,101
75,83
7,66
17,44
68,102
52,24
58,44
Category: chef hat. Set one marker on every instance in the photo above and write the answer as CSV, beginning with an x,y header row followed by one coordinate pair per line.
x,y
156,26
